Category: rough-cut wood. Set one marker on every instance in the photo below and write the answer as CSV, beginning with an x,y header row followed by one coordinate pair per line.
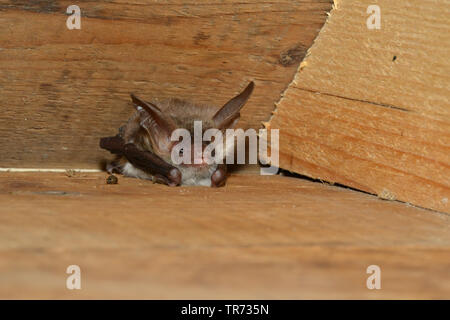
x,y
370,109
288,238
63,89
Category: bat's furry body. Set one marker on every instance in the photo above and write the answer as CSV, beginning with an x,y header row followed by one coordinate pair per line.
x,y
148,131
184,113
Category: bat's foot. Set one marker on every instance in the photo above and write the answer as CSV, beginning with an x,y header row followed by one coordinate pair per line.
x,y
219,177
172,179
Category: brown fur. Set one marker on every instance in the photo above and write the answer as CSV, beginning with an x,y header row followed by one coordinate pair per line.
x,y
149,128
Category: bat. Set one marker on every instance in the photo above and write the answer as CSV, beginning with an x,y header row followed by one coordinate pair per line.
x,y
144,147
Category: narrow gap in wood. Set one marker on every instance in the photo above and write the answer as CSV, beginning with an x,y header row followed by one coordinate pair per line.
x,y
292,174
358,100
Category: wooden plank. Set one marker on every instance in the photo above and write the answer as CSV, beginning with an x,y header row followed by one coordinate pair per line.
x,y
356,116
63,89
287,238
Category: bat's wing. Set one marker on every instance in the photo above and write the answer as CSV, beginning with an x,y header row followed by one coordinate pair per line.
x,y
144,160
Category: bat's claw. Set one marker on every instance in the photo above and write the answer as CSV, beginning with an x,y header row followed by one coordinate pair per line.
x,y
173,179
219,177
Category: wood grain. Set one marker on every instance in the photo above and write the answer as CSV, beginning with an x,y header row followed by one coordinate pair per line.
x,y
356,116
64,89
140,240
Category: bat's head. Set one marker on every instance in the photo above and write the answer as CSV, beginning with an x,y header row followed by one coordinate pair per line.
x,y
160,121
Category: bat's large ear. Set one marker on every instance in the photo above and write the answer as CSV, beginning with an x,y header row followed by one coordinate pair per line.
x,y
228,115
158,125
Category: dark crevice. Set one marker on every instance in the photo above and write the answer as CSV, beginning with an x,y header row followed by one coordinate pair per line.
x,y
288,173
291,174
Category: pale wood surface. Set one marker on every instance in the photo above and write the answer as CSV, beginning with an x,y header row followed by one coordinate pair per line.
x,y
64,89
357,116
258,237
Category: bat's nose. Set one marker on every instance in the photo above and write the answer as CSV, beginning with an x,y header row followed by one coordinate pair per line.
x,y
198,157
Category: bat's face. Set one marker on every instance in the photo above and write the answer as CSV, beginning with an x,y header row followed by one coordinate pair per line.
x,y
198,165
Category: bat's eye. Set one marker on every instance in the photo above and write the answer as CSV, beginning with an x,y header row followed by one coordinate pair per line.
x,y
181,152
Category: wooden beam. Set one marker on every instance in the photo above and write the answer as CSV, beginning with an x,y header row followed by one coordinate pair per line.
x,y
286,239
64,89
370,108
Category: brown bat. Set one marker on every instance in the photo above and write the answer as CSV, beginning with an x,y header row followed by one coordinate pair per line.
x,y
144,146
